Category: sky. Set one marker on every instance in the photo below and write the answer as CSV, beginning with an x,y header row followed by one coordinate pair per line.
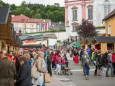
x,y
51,2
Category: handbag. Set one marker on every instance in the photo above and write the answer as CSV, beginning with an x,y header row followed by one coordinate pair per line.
x,y
47,78
34,72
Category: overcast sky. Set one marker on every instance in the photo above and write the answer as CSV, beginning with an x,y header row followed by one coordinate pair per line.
x,y
18,2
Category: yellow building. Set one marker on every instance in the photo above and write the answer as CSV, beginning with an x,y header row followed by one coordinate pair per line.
x,y
110,24
106,42
109,43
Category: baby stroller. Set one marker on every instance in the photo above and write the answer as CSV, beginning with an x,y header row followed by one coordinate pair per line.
x,y
66,70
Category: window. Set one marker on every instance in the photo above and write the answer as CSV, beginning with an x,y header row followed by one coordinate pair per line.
x,y
74,28
31,25
16,25
74,14
109,30
31,30
90,12
107,7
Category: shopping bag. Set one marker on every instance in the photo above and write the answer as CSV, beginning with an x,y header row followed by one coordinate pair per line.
x,y
47,78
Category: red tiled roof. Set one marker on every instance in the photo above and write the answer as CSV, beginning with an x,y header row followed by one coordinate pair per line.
x,y
23,18
20,18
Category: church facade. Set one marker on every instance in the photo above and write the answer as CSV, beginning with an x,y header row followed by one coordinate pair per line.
x,y
92,10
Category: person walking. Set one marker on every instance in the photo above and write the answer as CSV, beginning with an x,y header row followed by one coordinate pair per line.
x,y
24,76
113,62
97,63
102,64
7,70
76,58
83,60
87,69
58,62
53,60
109,63
49,61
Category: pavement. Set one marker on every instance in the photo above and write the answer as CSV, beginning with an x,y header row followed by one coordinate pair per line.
x,y
77,79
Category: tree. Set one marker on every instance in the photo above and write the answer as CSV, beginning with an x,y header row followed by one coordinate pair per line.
x,y
52,12
86,29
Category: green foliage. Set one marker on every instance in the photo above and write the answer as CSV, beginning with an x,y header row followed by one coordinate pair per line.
x,y
51,31
58,41
100,27
52,12
2,4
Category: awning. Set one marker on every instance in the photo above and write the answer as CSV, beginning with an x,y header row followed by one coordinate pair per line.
x,y
50,36
89,39
103,39
31,46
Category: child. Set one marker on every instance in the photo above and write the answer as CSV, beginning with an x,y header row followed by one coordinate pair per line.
x,y
87,69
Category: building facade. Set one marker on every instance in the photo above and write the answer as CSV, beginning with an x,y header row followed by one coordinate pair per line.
x,y
92,10
9,41
29,25
102,8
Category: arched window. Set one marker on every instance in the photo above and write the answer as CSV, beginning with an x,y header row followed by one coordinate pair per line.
x,y
107,7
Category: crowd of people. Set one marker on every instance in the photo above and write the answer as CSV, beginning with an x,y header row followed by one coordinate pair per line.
x,y
19,69
28,67
100,60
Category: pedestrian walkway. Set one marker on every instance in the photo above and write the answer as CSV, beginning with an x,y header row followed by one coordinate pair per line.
x,y
58,80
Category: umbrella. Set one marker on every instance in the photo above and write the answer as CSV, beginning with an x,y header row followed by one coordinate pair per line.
x,y
76,44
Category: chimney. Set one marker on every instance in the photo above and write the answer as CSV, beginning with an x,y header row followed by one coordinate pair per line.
x,y
12,15
21,14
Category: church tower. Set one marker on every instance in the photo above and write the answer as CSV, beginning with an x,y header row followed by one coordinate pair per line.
x,y
101,9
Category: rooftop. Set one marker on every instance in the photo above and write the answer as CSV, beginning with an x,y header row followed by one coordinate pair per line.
x,y
4,13
112,14
22,18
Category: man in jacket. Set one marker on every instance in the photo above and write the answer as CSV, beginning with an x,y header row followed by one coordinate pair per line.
x,y
7,70
24,76
109,63
49,61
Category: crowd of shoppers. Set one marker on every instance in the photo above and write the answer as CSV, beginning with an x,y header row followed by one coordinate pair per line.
x,y
16,69
100,60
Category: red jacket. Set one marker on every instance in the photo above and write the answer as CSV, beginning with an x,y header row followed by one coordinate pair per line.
x,y
113,58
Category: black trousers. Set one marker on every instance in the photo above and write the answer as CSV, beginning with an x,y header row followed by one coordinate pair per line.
x,y
49,69
53,64
113,68
96,68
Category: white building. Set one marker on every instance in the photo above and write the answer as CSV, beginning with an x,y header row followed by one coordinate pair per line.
x,y
92,10
29,25
102,8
